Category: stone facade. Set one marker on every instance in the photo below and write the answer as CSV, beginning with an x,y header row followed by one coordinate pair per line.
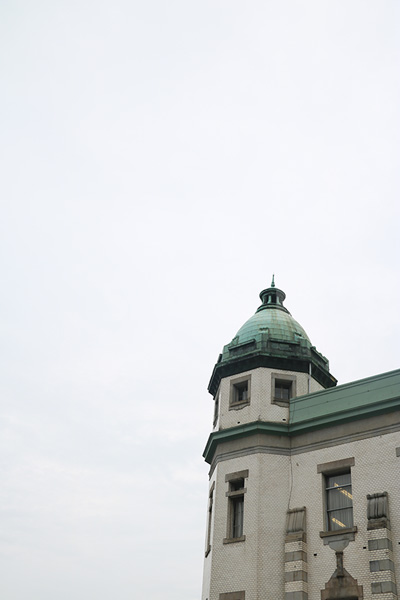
x,y
259,565
274,464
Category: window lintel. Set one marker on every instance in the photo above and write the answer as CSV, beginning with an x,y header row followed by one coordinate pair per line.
x,y
336,465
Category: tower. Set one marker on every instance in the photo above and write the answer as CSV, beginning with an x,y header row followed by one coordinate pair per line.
x,y
287,449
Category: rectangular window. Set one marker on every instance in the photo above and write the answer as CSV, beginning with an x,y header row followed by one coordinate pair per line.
x,y
236,509
216,409
339,501
236,492
240,391
209,523
283,388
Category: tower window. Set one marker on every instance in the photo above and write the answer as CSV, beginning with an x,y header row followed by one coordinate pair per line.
x,y
236,508
235,494
209,520
283,388
240,392
216,409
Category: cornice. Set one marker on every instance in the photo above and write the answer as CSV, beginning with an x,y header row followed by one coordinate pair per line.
x,y
299,428
254,360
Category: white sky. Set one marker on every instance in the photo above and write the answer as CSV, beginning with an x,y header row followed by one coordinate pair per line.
x,y
160,160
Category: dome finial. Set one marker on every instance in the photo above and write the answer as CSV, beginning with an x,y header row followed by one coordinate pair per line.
x,y
273,281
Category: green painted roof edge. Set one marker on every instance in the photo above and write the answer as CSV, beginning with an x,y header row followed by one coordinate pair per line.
x,y
345,416
234,433
361,396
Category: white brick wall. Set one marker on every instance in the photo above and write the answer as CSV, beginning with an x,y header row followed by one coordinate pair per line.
x,y
376,469
278,482
260,407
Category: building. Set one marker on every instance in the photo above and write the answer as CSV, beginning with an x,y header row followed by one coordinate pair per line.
x,y
304,495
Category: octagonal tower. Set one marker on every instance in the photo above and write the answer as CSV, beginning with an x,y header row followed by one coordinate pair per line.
x,y
269,362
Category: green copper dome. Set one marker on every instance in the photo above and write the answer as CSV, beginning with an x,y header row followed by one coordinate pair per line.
x,y
279,325
271,338
273,319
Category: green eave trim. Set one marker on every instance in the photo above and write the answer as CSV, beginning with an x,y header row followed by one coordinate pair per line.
x,y
345,416
234,433
300,427
254,360
358,399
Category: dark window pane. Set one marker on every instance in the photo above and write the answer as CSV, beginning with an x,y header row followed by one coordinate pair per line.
x,y
282,390
241,392
236,484
237,516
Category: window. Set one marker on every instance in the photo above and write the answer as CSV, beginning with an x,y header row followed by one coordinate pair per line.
x,y
216,409
236,492
339,501
210,511
283,388
338,497
236,509
240,392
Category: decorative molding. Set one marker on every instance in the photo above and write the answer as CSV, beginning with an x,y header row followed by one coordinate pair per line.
x,y
284,430
296,576
336,465
378,511
242,538
344,439
296,520
338,532
237,475
381,564
342,586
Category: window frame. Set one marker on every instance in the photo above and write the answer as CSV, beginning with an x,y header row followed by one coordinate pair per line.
x,y
236,509
290,381
210,517
216,408
235,495
331,469
328,494
234,383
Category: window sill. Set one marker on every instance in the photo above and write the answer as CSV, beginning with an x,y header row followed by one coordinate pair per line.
x,y
284,403
237,405
233,540
236,493
325,534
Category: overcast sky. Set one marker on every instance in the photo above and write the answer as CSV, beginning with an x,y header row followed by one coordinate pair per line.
x,y
160,160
